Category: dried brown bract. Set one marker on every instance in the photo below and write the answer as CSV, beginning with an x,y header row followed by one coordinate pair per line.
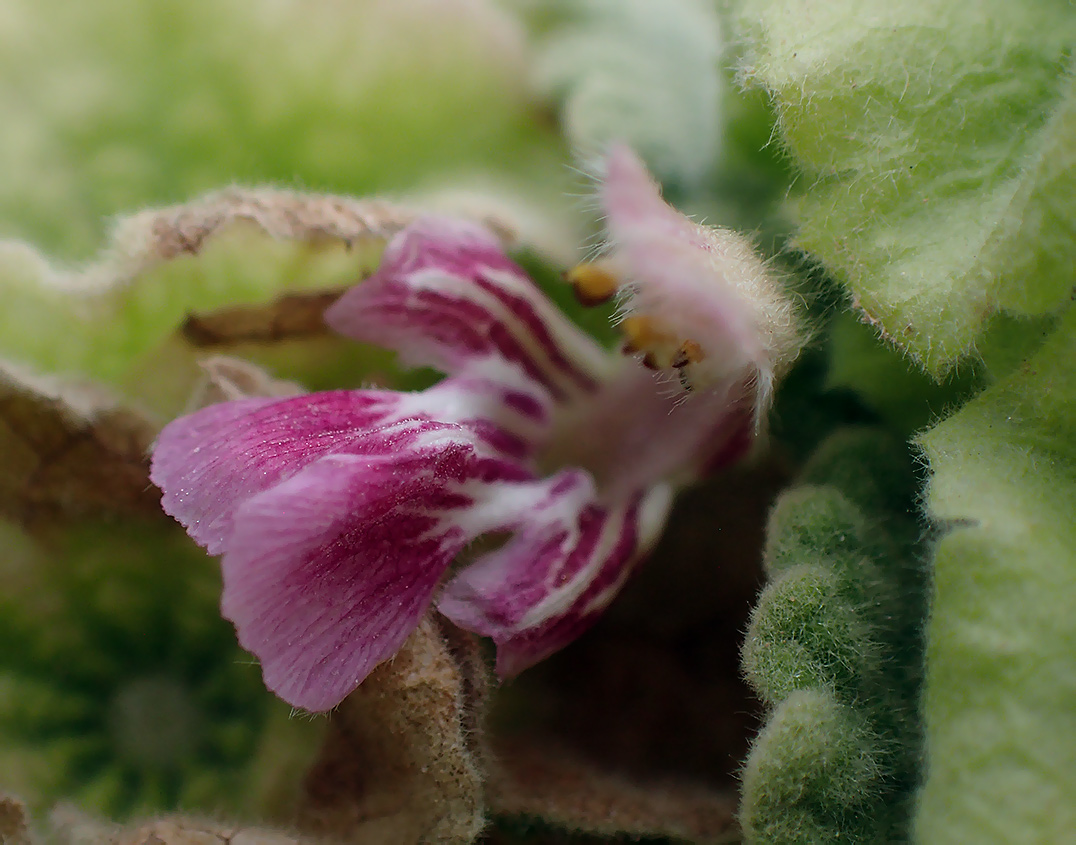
x,y
150,237
226,378
540,781
14,823
74,828
289,317
70,449
402,763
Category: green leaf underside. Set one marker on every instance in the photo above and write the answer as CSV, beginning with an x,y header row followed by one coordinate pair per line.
x,y
644,72
887,382
1001,680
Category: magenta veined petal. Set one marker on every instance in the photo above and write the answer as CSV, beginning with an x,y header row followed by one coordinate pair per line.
x,y
210,462
631,201
673,267
511,415
446,296
328,572
552,580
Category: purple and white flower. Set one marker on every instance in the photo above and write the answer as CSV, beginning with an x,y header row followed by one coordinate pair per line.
x,y
339,515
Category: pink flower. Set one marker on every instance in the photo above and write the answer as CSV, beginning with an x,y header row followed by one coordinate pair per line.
x,y
339,514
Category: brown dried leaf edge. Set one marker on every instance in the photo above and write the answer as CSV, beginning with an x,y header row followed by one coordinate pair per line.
x,y
70,449
149,238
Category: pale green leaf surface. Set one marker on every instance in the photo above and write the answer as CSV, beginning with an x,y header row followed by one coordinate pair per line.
x,y
116,104
102,333
936,144
1001,678
645,72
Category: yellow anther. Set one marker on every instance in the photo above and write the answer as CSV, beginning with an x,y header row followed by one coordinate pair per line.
x,y
642,334
647,334
661,348
593,283
689,353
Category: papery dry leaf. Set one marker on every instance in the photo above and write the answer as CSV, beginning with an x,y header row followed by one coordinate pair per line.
x,y
281,214
401,764
474,674
533,780
226,379
14,822
215,264
69,448
143,240
150,237
285,215
72,827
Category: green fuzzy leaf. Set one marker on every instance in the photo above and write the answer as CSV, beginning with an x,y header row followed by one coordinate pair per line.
x,y
813,774
898,390
936,144
805,634
810,523
835,649
868,467
1001,678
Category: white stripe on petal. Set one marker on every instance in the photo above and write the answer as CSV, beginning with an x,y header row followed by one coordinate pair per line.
x,y
446,296
566,562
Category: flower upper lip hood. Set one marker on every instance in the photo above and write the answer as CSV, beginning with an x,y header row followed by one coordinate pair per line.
x,y
339,514
703,289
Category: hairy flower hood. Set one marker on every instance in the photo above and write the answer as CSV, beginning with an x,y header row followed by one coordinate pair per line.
x,y
339,515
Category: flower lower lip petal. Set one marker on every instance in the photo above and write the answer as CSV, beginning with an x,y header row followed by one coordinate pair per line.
x,y
210,462
329,571
512,419
551,581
